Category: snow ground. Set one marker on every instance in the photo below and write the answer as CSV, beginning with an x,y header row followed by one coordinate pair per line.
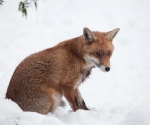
x,y
120,97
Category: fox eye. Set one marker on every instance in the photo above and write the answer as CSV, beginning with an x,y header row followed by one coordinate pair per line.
x,y
108,53
98,54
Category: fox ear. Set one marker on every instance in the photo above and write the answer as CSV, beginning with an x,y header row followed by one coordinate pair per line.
x,y
88,35
111,34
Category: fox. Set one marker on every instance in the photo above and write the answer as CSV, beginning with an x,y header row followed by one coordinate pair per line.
x,y
41,80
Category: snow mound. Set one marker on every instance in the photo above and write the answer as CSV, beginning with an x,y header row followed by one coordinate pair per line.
x,y
138,116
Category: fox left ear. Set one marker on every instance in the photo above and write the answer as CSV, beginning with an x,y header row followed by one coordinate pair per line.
x,y
111,34
88,35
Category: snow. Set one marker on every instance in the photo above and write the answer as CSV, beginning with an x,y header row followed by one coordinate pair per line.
x,y
120,97
138,116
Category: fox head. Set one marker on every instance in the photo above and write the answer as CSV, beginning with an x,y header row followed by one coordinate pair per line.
x,y
98,48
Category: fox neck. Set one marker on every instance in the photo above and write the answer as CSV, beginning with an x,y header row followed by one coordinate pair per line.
x,y
75,46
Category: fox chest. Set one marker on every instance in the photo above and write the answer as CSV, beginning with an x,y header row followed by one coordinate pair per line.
x,y
83,75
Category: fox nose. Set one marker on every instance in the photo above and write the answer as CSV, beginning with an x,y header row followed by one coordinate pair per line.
x,y
107,69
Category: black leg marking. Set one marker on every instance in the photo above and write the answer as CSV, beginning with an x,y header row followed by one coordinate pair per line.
x,y
76,101
84,105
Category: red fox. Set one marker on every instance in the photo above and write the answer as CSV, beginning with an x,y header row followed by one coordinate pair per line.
x,y
41,79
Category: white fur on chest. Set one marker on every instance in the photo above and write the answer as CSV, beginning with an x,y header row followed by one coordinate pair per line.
x,y
84,73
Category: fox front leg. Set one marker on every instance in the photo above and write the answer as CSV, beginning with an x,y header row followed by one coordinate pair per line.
x,y
70,95
80,100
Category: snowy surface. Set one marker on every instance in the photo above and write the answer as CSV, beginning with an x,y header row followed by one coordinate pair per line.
x,y
120,97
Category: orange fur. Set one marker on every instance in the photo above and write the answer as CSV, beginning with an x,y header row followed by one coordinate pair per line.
x,y
41,79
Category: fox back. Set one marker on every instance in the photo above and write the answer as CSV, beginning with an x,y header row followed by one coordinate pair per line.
x,y
40,80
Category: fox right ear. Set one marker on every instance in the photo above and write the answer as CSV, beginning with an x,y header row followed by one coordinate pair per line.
x,y
88,35
111,34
